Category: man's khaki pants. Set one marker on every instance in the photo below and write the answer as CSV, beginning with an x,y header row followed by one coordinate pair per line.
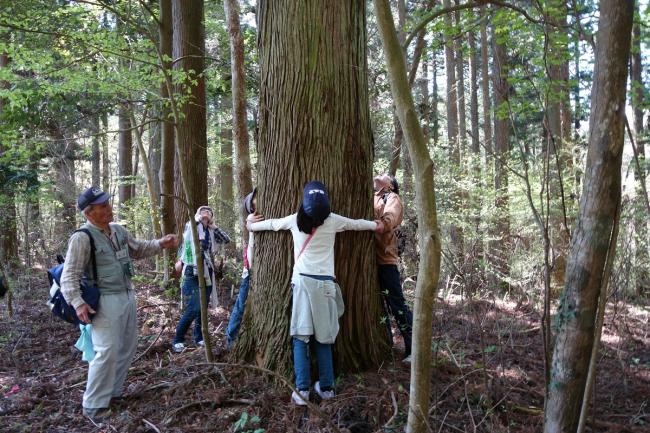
x,y
115,340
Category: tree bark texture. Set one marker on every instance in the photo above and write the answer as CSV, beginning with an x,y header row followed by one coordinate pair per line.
x,y
485,96
314,124
191,126
499,250
477,202
191,136
167,142
106,174
242,161
557,136
460,80
428,234
226,192
594,228
95,156
124,158
8,231
640,213
456,231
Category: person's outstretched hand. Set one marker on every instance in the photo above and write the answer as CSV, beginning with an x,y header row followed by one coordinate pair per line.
x,y
169,241
380,226
253,218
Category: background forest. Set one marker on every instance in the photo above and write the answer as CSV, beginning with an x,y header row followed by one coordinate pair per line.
x,y
198,101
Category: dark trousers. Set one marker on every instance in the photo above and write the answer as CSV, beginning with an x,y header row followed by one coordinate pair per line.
x,y
391,290
192,302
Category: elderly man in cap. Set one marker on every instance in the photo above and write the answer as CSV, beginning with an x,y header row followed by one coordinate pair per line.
x,y
389,209
114,331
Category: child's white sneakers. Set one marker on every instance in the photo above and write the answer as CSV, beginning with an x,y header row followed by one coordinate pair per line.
x,y
325,395
300,398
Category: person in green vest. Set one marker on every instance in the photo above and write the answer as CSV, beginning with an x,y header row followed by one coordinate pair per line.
x,y
114,331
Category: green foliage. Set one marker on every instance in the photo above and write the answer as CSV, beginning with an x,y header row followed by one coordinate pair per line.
x,y
247,424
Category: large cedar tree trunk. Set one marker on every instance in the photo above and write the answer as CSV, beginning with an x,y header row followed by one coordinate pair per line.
x,y
191,136
314,124
598,207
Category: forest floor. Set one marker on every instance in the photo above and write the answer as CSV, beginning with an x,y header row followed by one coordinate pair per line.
x,y
488,376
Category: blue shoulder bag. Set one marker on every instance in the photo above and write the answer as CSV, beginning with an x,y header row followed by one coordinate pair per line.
x,y
89,290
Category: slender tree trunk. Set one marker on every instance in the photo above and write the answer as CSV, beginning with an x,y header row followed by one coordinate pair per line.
x,y
640,213
435,118
151,188
485,96
499,250
166,173
398,135
153,155
8,230
314,124
460,79
95,155
477,193
65,188
598,206
106,173
556,57
124,159
226,193
429,236
242,162
453,138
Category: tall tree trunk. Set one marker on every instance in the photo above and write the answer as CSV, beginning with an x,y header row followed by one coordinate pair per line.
x,y
460,79
640,213
456,231
242,162
124,159
191,135
314,124
556,57
398,134
65,188
95,156
485,96
598,206
435,118
8,231
148,174
167,142
499,249
226,193
35,240
106,173
153,155
429,236
191,127
477,193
